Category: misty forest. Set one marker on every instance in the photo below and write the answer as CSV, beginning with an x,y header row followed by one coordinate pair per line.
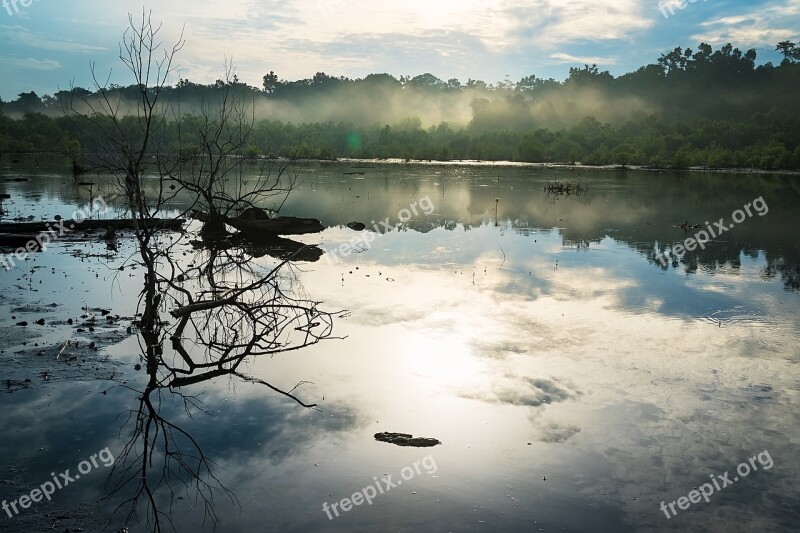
x,y
701,107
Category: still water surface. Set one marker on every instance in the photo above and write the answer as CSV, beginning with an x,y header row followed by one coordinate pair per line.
x,y
574,380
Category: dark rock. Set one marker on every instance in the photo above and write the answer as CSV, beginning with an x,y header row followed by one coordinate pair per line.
x,y
40,322
254,213
23,323
356,226
406,439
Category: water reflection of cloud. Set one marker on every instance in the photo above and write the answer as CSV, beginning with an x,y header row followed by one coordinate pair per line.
x,y
271,428
555,433
525,392
74,420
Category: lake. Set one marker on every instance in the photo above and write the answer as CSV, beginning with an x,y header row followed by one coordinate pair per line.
x,y
581,373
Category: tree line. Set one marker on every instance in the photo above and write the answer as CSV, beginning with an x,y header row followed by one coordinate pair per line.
x,y
702,107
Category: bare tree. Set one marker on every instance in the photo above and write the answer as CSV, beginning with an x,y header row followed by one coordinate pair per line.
x,y
213,167
227,310
126,136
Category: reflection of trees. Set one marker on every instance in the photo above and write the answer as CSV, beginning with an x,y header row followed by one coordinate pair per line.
x,y
227,314
641,209
159,454
240,314
227,310
728,257
719,255
790,273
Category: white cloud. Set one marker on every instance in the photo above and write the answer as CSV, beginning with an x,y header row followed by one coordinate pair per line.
x,y
262,36
461,38
28,38
29,63
764,26
550,23
583,60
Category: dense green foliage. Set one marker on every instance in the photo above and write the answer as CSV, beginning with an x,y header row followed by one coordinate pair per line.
x,y
704,107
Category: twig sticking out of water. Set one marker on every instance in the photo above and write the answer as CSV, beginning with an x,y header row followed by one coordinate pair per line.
x,y
566,188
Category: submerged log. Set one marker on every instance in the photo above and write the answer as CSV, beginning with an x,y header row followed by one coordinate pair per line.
x,y
68,226
276,226
254,227
31,235
15,240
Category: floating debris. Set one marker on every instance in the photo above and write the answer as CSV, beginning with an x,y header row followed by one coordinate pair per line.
x,y
406,439
566,188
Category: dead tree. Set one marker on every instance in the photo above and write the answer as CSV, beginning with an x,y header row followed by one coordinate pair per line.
x,y
213,162
228,310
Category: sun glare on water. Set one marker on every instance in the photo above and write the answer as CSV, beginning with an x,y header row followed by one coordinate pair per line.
x,y
448,362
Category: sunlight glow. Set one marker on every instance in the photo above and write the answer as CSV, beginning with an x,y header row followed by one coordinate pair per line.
x,y
447,361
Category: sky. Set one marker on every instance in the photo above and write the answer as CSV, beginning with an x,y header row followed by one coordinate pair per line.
x,y
47,45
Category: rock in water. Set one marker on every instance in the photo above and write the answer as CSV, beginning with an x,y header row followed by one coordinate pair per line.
x,y
406,439
356,226
254,213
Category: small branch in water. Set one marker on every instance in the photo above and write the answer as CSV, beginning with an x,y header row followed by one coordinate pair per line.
x,y
287,394
62,350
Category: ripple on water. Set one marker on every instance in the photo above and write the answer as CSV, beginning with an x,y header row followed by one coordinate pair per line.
x,y
740,316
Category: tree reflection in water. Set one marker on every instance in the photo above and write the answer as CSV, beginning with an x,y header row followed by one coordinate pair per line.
x,y
233,314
